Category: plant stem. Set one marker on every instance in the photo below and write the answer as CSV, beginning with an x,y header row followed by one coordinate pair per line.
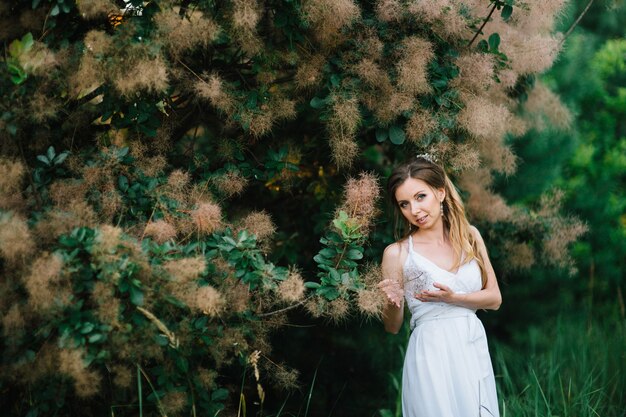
x,y
571,29
345,246
291,307
480,30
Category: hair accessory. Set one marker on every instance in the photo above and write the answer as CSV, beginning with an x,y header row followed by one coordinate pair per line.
x,y
427,156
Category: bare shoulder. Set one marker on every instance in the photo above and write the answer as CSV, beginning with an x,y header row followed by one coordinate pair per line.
x,y
394,256
479,239
476,234
393,253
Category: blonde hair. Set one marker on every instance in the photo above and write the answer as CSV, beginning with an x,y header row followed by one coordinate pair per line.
x,y
454,217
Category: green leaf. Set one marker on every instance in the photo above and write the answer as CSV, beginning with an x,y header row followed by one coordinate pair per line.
x,y
182,363
347,263
27,41
55,10
396,135
335,238
50,153
381,134
507,10
312,285
15,49
96,337
122,152
318,103
483,46
136,296
334,275
219,394
354,254
122,181
328,252
330,293
494,42
58,160
43,159
322,260
18,75
87,328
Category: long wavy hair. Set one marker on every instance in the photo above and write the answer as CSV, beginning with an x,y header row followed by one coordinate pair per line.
x,y
455,220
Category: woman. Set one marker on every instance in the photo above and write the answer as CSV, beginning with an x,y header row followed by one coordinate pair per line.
x,y
441,268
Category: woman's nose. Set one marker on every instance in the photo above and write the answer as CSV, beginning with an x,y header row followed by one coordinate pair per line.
x,y
415,207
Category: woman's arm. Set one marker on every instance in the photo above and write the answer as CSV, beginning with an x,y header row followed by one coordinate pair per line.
x,y
393,311
488,298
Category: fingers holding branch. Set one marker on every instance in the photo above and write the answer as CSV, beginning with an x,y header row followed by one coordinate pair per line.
x,y
393,290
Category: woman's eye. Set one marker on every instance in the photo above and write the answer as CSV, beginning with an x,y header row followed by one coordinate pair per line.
x,y
402,205
420,196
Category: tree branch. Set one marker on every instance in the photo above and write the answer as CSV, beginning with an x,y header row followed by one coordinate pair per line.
x,y
571,29
480,30
282,310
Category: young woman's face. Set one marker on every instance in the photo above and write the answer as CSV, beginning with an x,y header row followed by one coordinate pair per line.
x,y
419,203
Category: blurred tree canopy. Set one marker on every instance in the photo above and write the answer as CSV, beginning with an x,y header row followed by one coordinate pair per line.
x,y
180,176
588,169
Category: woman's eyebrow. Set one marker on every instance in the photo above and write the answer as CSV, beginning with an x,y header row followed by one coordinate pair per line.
x,y
404,201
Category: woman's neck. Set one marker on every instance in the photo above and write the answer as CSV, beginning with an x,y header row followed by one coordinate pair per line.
x,y
438,234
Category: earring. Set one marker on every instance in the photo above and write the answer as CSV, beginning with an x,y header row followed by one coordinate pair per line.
x,y
441,207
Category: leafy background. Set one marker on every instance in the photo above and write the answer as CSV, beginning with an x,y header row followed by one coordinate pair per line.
x,y
191,211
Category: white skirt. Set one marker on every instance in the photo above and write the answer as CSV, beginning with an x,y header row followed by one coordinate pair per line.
x,y
447,370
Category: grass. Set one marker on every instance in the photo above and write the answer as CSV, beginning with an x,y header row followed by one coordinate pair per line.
x,y
566,367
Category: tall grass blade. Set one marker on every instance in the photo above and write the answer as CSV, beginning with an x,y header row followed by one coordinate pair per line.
x,y
543,395
282,406
140,392
156,395
308,401
242,398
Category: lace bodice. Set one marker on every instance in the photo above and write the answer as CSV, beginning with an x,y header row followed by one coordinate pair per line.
x,y
419,273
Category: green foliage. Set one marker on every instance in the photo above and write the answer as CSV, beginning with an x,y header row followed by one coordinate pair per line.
x,y
17,48
58,6
50,167
90,261
250,265
142,115
143,120
337,260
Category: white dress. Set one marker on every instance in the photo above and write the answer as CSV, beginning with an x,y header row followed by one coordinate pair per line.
x,y
447,369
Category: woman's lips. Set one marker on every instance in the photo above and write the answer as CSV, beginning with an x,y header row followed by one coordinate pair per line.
x,y
422,220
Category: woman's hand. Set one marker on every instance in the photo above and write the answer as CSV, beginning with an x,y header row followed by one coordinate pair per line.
x,y
392,290
444,295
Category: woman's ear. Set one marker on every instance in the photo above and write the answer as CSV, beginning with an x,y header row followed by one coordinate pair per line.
x,y
441,193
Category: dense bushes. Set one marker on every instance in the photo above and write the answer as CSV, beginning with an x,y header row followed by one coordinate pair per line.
x,y
173,173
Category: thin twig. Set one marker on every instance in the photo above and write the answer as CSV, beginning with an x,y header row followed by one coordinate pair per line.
x,y
30,175
291,307
571,29
45,22
190,70
480,30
